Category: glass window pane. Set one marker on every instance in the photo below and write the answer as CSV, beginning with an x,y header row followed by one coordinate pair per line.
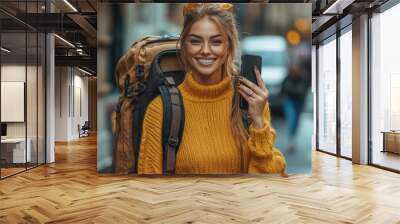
x,y
346,94
14,153
41,99
385,86
327,97
23,85
31,97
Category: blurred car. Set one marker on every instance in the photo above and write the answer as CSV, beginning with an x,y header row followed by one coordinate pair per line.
x,y
274,52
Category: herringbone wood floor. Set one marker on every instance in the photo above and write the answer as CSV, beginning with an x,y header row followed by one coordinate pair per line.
x,y
70,191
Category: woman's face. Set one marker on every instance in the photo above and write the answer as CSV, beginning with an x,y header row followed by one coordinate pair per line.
x,y
206,49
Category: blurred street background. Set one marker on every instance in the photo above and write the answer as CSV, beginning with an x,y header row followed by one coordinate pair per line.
x,y
280,33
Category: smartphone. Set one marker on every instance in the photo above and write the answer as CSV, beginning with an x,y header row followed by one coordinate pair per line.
x,y
247,70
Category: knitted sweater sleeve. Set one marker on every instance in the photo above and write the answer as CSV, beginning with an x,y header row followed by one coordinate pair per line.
x,y
263,156
150,156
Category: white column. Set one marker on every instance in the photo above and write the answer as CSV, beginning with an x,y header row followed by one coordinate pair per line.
x,y
50,92
360,90
50,101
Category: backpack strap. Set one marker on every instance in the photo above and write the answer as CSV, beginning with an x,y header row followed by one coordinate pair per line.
x,y
173,123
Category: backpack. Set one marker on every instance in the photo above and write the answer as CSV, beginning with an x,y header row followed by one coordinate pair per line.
x,y
151,67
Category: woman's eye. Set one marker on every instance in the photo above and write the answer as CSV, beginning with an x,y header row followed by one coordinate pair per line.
x,y
216,42
195,42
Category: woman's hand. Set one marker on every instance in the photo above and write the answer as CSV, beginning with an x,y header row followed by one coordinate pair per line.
x,y
256,96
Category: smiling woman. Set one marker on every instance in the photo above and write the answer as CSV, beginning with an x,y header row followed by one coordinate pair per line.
x,y
215,140
206,50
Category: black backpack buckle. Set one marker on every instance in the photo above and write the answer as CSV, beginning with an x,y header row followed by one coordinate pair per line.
x,y
140,88
173,142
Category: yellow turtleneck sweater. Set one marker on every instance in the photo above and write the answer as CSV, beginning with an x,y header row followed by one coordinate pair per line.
x,y
207,145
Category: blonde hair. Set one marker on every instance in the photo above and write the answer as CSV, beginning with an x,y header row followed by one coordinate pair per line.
x,y
226,22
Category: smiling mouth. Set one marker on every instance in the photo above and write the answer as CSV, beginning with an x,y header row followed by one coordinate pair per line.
x,y
205,62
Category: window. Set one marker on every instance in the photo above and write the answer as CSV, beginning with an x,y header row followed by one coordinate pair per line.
x,y
327,97
385,89
22,76
346,94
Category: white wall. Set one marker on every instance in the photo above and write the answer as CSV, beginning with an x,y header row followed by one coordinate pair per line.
x,y
71,93
81,104
61,103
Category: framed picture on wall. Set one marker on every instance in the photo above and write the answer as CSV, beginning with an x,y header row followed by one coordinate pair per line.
x,y
12,101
